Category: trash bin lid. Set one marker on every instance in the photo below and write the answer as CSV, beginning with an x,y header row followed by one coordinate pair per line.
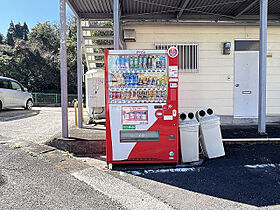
x,y
207,118
188,122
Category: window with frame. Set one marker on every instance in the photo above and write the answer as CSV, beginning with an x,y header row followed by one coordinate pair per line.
x,y
16,86
4,84
188,55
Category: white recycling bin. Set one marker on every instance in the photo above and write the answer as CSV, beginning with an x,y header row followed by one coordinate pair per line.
x,y
210,134
189,128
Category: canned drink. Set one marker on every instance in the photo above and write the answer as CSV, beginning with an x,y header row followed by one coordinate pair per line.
x,y
163,95
128,95
134,94
154,94
158,82
118,96
153,81
158,95
138,115
144,115
132,116
149,81
114,95
130,80
163,81
126,116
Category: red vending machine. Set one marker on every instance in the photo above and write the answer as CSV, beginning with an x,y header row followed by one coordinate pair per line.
x,y
141,96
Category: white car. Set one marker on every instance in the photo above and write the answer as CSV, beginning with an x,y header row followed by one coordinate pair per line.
x,y
14,95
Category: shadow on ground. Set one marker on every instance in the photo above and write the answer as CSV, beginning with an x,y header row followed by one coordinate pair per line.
x,y
250,131
8,115
237,177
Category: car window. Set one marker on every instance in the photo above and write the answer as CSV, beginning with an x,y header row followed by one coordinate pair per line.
x,y
16,86
4,84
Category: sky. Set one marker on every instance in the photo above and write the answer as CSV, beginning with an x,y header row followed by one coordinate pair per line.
x,y
29,11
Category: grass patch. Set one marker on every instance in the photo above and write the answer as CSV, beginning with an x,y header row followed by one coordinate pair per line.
x,y
15,146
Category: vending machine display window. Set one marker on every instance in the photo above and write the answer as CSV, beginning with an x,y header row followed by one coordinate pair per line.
x,y
134,115
138,78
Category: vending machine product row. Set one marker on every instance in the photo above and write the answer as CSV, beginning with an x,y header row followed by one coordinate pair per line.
x,y
141,96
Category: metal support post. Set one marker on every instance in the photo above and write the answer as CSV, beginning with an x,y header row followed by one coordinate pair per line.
x,y
116,24
63,68
79,73
262,67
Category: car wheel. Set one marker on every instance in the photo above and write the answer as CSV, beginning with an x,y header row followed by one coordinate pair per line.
x,y
29,104
1,106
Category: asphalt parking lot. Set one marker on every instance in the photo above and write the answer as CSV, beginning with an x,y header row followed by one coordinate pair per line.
x,y
37,125
248,177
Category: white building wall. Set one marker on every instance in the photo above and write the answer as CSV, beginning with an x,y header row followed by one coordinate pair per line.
x,y
213,85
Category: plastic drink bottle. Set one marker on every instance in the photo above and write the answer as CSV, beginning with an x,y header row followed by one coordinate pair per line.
x,y
154,62
131,64
121,61
140,61
158,65
135,58
145,62
153,81
126,62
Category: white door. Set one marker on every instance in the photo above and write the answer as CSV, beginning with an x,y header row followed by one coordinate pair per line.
x,y
246,83
19,97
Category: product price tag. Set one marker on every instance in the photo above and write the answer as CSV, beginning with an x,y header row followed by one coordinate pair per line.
x,y
173,71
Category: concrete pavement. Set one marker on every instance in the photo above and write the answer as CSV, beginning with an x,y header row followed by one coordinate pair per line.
x,y
29,182
246,178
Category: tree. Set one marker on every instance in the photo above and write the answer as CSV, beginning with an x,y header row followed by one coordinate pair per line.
x,y
10,39
11,34
25,31
45,36
1,38
18,31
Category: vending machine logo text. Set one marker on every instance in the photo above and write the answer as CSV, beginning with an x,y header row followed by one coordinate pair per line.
x,y
173,52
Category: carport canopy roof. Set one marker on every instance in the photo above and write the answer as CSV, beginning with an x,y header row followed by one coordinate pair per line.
x,y
179,10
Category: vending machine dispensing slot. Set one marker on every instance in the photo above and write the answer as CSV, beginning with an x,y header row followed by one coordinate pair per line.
x,y
141,89
139,136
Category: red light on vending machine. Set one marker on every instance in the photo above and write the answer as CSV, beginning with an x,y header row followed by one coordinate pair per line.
x,y
141,96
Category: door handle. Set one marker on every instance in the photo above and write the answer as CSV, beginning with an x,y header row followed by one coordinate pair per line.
x,y
237,85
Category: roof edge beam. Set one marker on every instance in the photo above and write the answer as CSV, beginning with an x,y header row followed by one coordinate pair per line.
x,y
96,16
185,4
245,8
72,8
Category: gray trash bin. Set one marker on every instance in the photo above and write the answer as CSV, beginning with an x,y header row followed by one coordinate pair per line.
x,y
189,128
210,133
